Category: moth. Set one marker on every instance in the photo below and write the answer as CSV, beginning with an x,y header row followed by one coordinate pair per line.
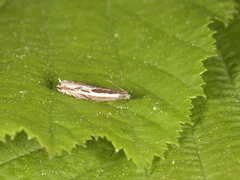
x,y
90,92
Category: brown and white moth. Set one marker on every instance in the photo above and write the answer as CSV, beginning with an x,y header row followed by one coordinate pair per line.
x,y
90,92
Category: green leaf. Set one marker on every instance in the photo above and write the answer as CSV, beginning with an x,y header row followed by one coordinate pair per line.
x,y
97,161
153,50
210,149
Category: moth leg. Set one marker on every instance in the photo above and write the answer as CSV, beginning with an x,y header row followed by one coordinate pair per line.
x,y
79,96
112,102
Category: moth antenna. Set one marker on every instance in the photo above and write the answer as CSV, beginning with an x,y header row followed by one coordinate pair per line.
x,y
115,85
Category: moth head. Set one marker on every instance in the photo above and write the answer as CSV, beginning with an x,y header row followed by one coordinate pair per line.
x,y
59,86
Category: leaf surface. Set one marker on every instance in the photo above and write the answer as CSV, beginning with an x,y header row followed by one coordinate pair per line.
x,y
210,148
153,50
